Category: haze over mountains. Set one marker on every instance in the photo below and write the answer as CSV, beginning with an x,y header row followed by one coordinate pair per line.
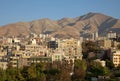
x,y
66,27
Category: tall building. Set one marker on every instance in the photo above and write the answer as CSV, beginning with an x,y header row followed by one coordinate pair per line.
x,y
95,35
71,47
53,44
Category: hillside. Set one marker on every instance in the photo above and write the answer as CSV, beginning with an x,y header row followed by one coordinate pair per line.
x,y
65,27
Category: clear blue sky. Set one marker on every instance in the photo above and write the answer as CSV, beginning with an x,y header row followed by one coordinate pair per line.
x,y
12,11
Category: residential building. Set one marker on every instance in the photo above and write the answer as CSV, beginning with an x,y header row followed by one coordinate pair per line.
x,y
115,58
71,47
36,59
94,35
102,62
3,65
57,56
53,44
105,44
111,35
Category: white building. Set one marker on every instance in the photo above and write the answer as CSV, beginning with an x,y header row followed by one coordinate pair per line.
x,y
111,35
9,40
95,35
57,56
16,40
103,63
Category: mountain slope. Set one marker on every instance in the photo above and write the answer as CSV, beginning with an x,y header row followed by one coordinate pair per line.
x,y
65,27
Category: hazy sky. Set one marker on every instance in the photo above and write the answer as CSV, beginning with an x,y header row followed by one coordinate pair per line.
x,y
12,11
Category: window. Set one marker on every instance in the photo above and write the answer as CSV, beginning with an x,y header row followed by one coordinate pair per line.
x,y
55,56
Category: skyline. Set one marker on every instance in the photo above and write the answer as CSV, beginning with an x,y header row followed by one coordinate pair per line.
x,y
27,10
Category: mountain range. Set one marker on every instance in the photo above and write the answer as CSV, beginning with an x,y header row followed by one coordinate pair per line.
x,y
66,27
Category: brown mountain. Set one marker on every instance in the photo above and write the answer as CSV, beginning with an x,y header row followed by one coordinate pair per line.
x,y
66,27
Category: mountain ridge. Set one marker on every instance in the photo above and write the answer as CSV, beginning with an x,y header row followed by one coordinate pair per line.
x,y
65,27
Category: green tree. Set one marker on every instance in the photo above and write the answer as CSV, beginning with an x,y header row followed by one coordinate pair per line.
x,y
117,71
19,76
80,67
40,67
11,74
89,46
109,64
97,69
32,72
41,77
2,75
64,75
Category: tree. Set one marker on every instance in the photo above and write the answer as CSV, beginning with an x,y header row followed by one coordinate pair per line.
x,y
109,64
89,46
41,77
2,75
118,46
19,76
117,71
64,75
80,67
13,74
97,69
32,72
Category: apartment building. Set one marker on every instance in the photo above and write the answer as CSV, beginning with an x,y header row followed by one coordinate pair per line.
x,y
3,65
106,43
111,35
71,47
116,58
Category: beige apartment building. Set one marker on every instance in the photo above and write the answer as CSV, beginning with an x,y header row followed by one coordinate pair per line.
x,y
3,65
106,44
116,58
71,47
